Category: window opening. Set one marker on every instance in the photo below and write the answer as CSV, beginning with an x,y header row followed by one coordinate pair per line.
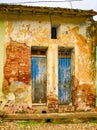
x,y
38,51
54,32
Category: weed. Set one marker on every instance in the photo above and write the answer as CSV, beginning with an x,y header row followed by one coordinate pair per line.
x,y
92,120
28,123
2,122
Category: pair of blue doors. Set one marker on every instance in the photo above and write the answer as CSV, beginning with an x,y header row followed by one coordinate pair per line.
x,y
39,79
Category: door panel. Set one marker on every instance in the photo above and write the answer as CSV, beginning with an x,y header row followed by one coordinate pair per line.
x,y
38,71
64,80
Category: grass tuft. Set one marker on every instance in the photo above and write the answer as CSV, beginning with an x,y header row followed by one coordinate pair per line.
x,y
28,123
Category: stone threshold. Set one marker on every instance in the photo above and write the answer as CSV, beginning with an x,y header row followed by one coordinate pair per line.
x,y
70,115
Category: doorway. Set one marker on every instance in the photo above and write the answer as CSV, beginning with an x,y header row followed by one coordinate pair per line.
x,y
38,74
64,75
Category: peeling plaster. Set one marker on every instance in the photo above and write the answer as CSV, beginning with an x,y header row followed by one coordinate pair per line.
x,y
20,35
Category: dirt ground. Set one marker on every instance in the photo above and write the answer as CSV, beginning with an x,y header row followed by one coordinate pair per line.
x,y
47,126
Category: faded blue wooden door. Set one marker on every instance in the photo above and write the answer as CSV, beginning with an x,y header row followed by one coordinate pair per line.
x,y
38,69
64,80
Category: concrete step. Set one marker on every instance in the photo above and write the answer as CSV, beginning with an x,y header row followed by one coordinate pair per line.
x,y
51,116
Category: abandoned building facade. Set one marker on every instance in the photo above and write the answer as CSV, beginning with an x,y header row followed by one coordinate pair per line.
x,y
48,59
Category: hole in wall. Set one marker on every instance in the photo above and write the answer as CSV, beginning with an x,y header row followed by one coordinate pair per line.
x,y
44,112
47,120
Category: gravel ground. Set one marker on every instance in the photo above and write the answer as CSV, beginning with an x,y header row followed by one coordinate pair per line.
x,y
48,126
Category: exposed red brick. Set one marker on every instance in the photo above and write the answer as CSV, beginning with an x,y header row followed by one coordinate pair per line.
x,y
84,96
52,101
18,63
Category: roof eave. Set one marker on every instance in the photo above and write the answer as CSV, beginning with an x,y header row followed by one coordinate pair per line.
x,y
78,12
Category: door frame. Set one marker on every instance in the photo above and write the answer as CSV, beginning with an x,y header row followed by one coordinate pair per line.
x,y
39,55
72,49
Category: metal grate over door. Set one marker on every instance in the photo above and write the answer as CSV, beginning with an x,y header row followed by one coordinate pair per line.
x,y
64,75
